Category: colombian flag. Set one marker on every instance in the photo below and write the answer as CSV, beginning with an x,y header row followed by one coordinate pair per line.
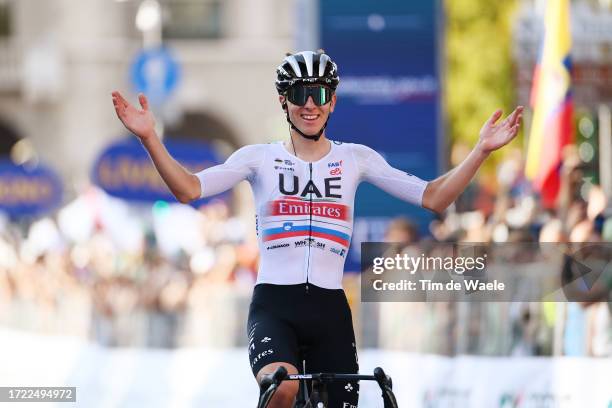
x,y
551,100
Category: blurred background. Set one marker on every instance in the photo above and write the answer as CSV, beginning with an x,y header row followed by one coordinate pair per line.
x,y
110,285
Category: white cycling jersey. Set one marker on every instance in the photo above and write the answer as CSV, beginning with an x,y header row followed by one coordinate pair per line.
x,y
304,211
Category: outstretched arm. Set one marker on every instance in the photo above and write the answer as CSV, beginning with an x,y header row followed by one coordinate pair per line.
x,y
443,191
184,185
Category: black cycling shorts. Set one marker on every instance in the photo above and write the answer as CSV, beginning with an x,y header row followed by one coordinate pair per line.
x,y
284,319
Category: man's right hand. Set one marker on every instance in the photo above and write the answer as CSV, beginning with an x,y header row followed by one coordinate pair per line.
x,y
141,122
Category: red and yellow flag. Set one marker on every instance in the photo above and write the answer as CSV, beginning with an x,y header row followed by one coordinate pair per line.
x,y
551,100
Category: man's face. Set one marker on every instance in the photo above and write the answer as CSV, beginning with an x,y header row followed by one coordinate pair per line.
x,y
309,118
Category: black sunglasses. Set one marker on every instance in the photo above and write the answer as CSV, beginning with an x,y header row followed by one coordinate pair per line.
x,y
298,94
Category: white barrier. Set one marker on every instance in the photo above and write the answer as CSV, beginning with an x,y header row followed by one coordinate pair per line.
x,y
221,378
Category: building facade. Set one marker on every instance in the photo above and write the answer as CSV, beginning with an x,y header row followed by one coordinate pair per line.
x,y
61,59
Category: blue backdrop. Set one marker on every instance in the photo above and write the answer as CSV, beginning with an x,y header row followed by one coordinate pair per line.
x,y
388,98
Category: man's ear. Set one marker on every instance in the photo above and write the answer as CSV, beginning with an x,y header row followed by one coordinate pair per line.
x,y
283,102
333,103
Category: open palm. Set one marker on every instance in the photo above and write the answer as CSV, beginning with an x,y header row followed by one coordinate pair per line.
x,y
495,135
141,122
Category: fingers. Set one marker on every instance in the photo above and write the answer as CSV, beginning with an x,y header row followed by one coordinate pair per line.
x,y
494,117
119,101
519,116
514,118
119,107
121,104
143,101
513,131
507,136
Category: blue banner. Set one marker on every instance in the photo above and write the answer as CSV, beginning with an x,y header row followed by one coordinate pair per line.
x,y
28,191
388,98
125,170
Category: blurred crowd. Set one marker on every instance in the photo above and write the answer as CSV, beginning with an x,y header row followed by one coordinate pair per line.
x,y
125,294
503,209
182,276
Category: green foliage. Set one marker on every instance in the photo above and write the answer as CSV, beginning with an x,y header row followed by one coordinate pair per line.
x,y
478,63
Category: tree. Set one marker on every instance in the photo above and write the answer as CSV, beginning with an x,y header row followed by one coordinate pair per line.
x,y
479,70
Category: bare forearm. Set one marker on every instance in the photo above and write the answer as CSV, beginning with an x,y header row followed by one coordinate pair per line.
x,y
444,190
184,185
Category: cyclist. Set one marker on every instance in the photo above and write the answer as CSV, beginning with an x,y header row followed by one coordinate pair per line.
x,y
304,190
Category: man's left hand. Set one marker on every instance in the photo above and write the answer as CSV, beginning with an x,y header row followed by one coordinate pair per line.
x,y
494,135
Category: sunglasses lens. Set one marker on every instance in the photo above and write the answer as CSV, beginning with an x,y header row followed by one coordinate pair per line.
x,y
324,96
298,95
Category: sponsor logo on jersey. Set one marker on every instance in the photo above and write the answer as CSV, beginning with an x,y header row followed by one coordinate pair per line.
x,y
338,251
335,164
284,168
335,172
278,160
289,163
291,187
292,207
310,242
277,246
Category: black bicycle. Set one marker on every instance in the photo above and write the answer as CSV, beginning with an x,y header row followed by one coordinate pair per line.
x,y
320,381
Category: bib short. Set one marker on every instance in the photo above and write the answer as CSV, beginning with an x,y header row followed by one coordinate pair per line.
x,y
285,319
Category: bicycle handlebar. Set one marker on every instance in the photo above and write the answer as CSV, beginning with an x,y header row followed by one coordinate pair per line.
x,y
270,382
329,377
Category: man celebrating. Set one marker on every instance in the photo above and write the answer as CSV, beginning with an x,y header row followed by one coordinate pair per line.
x,y
304,191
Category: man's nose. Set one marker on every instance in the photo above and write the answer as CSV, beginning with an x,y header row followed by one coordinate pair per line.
x,y
310,103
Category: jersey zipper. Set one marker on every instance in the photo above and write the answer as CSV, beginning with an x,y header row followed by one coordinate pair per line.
x,y
309,229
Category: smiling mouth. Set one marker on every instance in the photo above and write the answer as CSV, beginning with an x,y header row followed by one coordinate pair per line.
x,y
310,118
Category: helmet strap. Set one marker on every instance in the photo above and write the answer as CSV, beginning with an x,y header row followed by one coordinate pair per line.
x,y
314,137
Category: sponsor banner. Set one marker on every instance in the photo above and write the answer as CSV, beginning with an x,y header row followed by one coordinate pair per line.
x,y
509,272
28,191
124,169
146,377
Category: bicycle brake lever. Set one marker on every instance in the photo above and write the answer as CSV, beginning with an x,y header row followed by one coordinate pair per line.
x,y
381,378
279,375
270,383
386,386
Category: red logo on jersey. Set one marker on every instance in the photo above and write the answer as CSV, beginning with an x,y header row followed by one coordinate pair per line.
x,y
290,206
335,172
